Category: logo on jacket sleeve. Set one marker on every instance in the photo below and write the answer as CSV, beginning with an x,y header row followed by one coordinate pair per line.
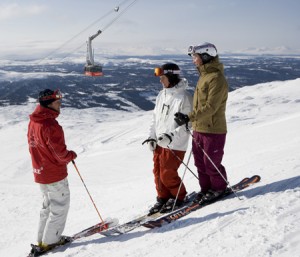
x,y
38,171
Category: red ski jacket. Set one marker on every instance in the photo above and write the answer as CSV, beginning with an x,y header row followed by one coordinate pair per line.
x,y
47,146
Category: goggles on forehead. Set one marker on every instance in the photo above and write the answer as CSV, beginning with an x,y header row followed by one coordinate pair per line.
x,y
159,72
202,49
191,50
56,95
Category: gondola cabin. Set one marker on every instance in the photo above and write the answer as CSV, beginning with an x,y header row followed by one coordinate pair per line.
x,y
93,70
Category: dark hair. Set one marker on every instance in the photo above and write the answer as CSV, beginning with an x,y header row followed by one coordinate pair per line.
x,y
174,79
206,58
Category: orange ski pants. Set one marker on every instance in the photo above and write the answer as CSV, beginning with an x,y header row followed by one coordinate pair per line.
x,y
166,177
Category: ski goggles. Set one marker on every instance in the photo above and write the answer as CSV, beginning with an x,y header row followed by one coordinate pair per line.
x,y
191,50
194,49
159,72
56,95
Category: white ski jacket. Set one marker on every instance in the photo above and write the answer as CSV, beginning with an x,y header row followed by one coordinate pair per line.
x,y
168,102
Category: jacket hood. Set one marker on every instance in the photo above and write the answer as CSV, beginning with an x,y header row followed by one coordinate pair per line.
x,y
42,113
213,66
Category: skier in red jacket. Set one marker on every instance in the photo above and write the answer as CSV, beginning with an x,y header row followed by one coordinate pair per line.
x,y
50,157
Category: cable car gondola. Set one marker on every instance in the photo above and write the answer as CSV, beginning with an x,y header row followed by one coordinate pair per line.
x,y
90,69
93,70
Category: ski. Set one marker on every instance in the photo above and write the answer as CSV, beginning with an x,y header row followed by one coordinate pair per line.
x,y
135,223
102,226
128,226
108,223
179,213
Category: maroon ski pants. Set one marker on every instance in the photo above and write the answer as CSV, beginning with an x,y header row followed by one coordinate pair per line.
x,y
165,173
213,145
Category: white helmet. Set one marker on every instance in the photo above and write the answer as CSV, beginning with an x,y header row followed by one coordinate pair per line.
x,y
205,48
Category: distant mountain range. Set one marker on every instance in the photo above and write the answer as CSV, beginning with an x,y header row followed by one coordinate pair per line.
x,y
128,82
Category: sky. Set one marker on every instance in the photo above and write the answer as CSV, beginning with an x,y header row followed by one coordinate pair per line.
x,y
38,27
263,138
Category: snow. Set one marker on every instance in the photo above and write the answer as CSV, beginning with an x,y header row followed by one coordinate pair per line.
x,y
263,138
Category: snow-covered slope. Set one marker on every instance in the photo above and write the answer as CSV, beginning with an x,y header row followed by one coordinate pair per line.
x,y
263,138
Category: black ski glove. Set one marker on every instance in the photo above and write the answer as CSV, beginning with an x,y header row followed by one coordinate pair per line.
x,y
181,118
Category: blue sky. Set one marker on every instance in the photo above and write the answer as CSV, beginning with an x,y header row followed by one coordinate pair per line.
x,y
33,27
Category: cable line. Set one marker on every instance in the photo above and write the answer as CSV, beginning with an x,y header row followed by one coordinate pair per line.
x,y
116,9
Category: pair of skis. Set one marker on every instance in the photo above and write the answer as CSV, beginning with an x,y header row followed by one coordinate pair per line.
x,y
160,219
185,210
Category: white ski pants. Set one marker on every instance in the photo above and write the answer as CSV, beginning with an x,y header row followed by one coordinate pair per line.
x,y
53,215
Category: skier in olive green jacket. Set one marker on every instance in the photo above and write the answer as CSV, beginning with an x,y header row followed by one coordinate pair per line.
x,y
209,122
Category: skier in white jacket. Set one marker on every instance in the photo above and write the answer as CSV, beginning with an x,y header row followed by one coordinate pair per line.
x,y
167,140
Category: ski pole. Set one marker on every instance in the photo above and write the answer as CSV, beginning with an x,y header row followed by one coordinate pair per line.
x,y
211,161
187,167
182,179
87,191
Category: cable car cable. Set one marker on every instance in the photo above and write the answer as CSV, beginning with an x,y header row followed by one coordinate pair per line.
x,y
108,25
116,9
